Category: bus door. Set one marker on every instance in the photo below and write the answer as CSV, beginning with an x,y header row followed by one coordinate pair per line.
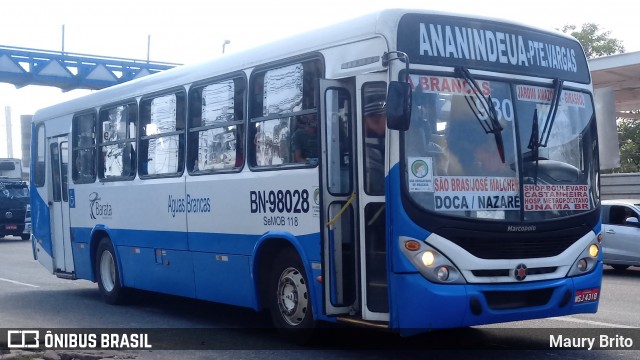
x,y
372,144
353,210
59,205
339,198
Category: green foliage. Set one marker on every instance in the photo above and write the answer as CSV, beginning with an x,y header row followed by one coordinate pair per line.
x,y
596,42
629,139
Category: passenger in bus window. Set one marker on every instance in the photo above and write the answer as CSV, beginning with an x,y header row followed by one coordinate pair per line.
x,y
375,123
305,140
488,162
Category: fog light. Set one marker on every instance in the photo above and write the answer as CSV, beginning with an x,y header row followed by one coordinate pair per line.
x,y
443,273
594,250
428,258
582,265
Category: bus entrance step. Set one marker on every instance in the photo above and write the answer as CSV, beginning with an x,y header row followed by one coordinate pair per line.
x,y
383,325
378,283
66,275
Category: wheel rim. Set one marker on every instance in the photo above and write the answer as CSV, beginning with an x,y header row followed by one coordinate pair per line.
x,y
293,299
107,271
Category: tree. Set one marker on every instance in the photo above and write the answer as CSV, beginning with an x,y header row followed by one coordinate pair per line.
x,y
628,135
596,42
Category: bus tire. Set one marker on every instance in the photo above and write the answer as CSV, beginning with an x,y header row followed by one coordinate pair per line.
x,y
289,298
107,274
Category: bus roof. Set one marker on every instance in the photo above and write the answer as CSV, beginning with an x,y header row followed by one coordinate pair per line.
x,y
381,23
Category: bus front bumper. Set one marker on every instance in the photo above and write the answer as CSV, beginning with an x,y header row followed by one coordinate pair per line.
x,y
425,306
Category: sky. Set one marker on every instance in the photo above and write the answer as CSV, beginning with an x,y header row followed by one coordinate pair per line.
x,y
189,31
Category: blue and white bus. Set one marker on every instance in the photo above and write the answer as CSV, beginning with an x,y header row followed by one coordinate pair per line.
x,y
267,179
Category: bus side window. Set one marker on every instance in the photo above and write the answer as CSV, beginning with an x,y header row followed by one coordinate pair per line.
x,y
40,175
117,142
283,112
162,121
84,148
215,126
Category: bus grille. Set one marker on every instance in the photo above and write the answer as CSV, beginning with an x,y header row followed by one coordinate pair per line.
x,y
505,300
492,245
507,272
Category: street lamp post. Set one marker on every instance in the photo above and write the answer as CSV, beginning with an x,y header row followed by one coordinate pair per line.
x,y
225,43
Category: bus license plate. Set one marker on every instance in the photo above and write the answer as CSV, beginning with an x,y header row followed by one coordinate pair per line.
x,y
11,227
587,295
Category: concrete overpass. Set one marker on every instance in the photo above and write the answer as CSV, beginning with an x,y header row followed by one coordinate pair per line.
x,y
620,74
616,79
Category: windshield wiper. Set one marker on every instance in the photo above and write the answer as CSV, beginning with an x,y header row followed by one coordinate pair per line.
x,y
493,125
551,116
534,144
537,139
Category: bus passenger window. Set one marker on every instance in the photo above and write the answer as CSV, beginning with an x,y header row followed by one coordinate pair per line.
x,y
305,139
284,123
162,139
215,127
117,145
40,175
84,152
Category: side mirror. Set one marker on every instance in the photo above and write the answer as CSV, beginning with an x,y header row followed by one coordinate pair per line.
x,y
398,106
633,221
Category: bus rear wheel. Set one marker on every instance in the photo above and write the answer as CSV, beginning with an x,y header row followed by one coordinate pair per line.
x,y
107,274
290,300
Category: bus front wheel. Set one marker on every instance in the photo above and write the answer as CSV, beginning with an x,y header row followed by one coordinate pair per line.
x,y
290,301
107,273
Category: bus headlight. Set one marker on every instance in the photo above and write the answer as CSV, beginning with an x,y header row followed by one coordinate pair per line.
x,y
428,258
586,261
430,262
443,273
582,265
594,250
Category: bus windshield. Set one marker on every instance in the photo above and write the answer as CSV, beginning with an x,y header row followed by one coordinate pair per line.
x,y
13,191
453,165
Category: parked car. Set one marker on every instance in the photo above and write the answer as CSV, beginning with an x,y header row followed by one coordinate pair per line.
x,y
26,234
621,233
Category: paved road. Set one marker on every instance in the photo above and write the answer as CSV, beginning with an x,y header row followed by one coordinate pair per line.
x,y
32,298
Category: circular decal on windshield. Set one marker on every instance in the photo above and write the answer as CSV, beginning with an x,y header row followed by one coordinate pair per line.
x,y
419,168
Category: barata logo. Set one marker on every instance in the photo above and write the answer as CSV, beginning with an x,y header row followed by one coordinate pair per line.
x,y
98,208
521,228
